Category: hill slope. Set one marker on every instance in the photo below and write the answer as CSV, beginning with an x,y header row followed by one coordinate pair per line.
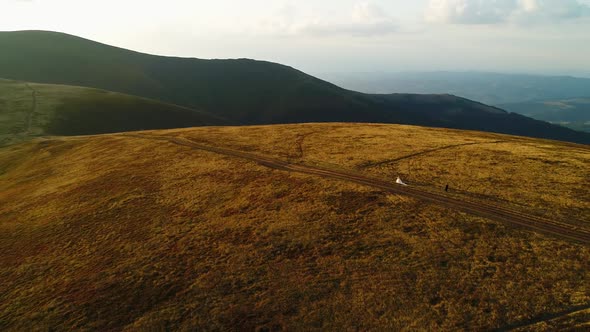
x,y
489,88
116,231
29,109
572,113
243,91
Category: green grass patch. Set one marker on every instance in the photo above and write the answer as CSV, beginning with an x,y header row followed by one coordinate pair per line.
x,y
28,110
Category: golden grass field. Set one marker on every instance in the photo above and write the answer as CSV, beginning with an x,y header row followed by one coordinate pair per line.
x,y
124,233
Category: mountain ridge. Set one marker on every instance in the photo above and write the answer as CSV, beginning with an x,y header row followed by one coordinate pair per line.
x,y
244,91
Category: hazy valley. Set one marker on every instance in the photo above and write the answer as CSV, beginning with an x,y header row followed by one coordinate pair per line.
x,y
557,99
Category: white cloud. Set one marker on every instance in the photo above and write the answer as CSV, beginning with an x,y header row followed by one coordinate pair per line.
x,y
562,9
366,12
469,11
499,11
365,19
529,5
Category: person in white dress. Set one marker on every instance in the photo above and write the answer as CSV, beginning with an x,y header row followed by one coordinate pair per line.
x,y
399,181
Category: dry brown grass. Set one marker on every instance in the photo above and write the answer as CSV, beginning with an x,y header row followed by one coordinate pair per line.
x,y
113,232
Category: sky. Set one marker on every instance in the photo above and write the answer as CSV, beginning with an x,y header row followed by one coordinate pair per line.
x,y
321,36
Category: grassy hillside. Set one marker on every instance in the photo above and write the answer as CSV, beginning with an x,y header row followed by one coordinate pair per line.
x,y
572,113
28,109
116,232
243,91
247,90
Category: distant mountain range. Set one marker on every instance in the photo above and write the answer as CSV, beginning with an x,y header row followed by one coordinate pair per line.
x,y
573,113
558,99
243,91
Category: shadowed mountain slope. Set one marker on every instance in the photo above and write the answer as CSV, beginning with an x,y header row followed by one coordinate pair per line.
x,y
244,91
573,113
30,109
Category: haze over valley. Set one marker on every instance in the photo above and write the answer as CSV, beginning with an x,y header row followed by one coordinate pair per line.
x,y
557,99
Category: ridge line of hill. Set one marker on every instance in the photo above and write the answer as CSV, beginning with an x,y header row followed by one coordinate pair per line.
x,y
245,91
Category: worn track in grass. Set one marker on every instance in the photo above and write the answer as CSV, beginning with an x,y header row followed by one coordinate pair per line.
x,y
490,211
32,110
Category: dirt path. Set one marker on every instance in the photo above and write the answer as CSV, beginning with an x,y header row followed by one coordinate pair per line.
x,y
32,110
481,209
543,318
394,160
299,143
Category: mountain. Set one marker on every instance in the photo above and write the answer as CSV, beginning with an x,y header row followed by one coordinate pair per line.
x,y
554,99
31,109
125,232
244,91
490,88
572,113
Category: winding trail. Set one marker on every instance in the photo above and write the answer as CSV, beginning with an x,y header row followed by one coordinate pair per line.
x,y
32,110
486,210
394,160
299,143
543,318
